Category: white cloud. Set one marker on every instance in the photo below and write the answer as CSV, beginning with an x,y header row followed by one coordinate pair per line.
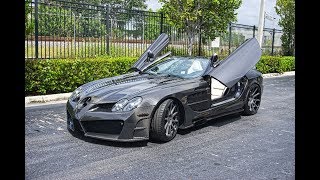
x,y
248,13
153,4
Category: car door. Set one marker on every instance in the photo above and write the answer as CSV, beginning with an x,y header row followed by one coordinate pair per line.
x,y
152,52
229,73
236,65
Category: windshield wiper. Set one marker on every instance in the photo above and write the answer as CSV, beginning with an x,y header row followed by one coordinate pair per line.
x,y
144,72
173,75
163,74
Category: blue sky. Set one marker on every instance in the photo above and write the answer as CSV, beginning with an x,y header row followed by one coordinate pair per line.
x,y
248,13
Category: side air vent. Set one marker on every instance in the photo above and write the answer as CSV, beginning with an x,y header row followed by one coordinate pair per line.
x,y
199,96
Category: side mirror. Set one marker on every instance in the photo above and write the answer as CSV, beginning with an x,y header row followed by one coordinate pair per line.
x,y
150,55
214,59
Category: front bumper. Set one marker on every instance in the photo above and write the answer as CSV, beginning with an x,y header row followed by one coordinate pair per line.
x,y
113,126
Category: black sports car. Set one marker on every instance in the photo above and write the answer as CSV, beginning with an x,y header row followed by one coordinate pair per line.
x,y
164,93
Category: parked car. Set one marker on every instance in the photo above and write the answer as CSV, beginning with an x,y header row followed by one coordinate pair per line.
x,y
164,93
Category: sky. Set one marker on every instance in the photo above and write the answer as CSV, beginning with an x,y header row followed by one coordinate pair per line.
x,y
248,13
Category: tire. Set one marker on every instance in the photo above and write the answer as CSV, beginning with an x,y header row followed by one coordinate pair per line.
x,y
253,100
165,122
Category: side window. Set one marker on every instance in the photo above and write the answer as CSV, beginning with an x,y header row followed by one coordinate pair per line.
x,y
158,67
195,66
166,65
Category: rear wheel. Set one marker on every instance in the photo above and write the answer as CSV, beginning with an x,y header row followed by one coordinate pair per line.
x,y
253,100
165,122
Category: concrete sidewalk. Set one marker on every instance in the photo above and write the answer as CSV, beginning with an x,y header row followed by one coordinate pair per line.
x,y
29,100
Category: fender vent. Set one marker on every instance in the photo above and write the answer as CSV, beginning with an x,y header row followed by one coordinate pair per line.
x,y
200,106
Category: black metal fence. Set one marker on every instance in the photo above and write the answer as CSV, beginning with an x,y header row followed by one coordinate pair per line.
x,y
271,44
63,29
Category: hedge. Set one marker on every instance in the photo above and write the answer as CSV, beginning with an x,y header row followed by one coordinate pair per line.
x,y
276,64
65,75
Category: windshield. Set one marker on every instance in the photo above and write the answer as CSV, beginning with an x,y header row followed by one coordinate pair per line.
x,y
183,67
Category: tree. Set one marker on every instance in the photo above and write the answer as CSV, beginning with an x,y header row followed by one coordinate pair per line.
x,y
61,17
128,4
29,25
286,10
236,39
151,27
210,17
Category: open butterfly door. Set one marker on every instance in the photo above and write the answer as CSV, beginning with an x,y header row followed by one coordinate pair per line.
x,y
152,52
230,70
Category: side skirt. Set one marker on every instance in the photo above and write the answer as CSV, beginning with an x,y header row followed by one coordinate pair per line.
x,y
201,121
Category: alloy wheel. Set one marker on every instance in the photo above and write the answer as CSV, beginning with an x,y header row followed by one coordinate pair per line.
x,y
171,119
254,98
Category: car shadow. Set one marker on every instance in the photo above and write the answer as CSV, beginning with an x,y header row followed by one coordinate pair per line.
x,y
111,143
218,122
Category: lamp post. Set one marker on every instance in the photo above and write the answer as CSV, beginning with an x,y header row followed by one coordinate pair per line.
x,y
261,23
271,18
74,32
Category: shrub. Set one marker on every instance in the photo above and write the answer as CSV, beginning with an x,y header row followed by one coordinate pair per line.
x,y
276,64
65,75
58,76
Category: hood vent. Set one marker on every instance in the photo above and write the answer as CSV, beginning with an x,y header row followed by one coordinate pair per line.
x,y
113,82
122,81
99,85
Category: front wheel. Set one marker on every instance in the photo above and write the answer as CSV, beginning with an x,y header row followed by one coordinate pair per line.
x,y
253,100
165,122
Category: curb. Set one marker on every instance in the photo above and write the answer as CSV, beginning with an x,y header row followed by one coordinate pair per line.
x,y
46,98
269,75
65,96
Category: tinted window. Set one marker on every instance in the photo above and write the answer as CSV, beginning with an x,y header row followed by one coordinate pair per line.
x,y
182,67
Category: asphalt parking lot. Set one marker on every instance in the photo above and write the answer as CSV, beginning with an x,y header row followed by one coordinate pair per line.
x,y
234,147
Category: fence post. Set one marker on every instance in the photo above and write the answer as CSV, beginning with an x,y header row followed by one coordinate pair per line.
x,y
161,22
36,30
199,50
229,38
254,30
107,28
272,46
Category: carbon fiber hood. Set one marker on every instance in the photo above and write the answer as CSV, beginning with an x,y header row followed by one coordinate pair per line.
x,y
113,89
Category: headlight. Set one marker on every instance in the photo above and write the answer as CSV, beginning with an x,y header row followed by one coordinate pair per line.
x,y
125,105
75,94
119,105
83,102
133,103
